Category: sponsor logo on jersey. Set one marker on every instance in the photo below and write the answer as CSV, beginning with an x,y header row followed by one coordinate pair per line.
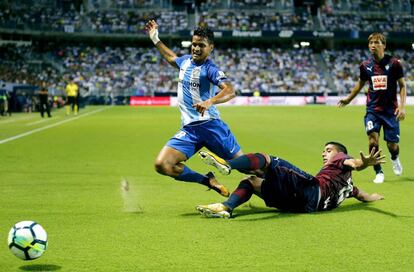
x,y
190,83
180,134
379,83
196,72
221,75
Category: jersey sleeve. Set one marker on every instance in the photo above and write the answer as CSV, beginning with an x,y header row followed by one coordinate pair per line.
x,y
363,75
180,60
338,161
215,75
398,69
355,192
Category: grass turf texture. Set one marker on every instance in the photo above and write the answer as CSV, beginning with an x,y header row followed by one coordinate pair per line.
x,y
67,178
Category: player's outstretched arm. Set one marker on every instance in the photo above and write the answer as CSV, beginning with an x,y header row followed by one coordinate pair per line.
x,y
227,93
365,197
373,158
345,101
152,29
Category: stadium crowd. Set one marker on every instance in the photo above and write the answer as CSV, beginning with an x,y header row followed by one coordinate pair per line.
x,y
129,16
141,71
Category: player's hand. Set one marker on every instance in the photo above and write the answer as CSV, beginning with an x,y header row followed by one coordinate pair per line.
x,y
373,158
400,114
343,102
202,106
152,29
375,197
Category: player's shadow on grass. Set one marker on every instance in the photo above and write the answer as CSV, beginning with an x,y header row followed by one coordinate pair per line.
x,y
40,267
402,179
368,207
276,214
263,213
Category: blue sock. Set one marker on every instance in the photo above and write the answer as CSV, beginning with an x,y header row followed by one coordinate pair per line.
x,y
189,175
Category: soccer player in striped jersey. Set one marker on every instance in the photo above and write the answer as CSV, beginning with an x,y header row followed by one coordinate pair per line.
x,y
201,86
383,72
286,187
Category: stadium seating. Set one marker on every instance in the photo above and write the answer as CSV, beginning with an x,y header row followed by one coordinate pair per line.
x,y
129,16
141,71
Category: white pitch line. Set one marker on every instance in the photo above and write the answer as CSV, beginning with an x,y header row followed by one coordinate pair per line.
x,y
49,126
42,121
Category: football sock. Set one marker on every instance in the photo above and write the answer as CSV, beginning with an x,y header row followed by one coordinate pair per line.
x,y
67,110
189,175
242,194
377,168
394,154
248,162
75,109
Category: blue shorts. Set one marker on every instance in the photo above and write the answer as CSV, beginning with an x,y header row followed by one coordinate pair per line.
x,y
288,188
374,122
213,134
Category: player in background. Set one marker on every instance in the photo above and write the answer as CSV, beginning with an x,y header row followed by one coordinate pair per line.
x,y
71,92
201,86
382,72
44,100
284,186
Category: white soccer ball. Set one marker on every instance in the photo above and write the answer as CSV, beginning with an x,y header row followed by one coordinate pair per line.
x,y
27,240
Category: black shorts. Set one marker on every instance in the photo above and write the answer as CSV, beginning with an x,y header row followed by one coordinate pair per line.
x,y
71,100
288,188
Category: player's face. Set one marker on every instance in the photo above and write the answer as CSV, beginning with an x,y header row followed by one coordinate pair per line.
x,y
376,47
200,49
328,153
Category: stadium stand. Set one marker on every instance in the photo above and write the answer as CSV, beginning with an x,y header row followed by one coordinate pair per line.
x,y
141,71
271,63
104,16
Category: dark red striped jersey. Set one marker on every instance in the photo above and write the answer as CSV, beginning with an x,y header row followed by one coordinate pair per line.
x,y
335,181
382,77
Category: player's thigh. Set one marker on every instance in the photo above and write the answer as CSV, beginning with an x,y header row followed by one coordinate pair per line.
x,y
70,100
372,123
184,141
391,129
171,156
218,138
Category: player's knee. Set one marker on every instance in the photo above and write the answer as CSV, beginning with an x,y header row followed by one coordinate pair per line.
x,y
161,167
254,182
373,144
392,146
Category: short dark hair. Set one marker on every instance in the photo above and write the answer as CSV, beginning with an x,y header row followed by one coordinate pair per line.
x,y
205,32
340,147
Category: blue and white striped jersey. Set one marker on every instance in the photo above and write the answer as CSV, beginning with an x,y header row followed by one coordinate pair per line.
x,y
197,83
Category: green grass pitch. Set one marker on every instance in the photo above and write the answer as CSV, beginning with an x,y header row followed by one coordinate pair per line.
x,y
65,173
